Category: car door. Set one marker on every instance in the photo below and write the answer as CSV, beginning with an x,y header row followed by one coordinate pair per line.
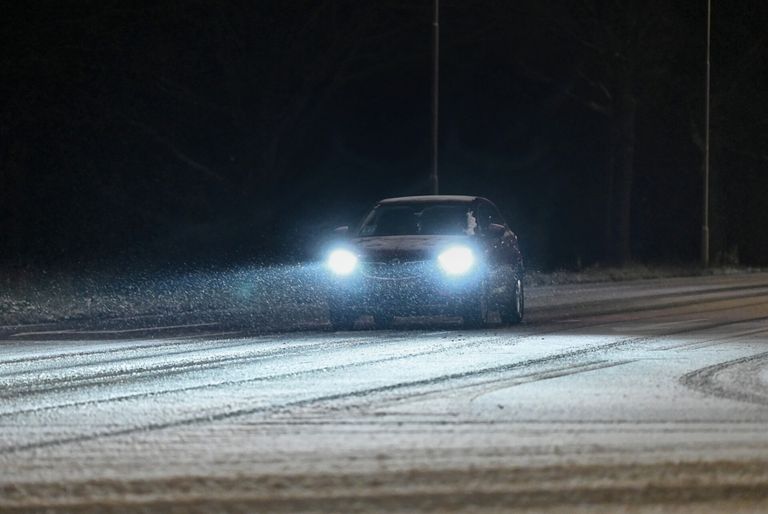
x,y
502,247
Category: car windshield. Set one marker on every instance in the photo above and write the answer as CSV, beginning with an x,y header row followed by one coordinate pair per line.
x,y
419,219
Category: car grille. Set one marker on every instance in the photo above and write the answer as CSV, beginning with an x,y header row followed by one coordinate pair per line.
x,y
396,270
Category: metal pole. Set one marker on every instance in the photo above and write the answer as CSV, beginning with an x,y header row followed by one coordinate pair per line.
x,y
705,225
433,178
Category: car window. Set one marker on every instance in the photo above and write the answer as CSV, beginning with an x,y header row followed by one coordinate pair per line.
x,y
443,220
419,219
487,214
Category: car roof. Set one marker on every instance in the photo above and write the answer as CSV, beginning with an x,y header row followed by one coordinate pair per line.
x,y
431,199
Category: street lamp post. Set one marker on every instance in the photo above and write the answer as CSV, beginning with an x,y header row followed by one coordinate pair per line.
x,y
705,224
433,178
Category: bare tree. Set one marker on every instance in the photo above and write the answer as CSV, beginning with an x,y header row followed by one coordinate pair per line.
x,y
738,125
615,49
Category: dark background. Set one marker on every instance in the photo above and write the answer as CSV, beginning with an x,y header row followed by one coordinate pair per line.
x,y
243,131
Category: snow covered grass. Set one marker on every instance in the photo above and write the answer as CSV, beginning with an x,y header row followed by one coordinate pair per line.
x,y
627,273
36,298
268,295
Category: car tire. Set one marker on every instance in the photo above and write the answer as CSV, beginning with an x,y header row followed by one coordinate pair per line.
x,y
342,319
476,314
512,313
383,321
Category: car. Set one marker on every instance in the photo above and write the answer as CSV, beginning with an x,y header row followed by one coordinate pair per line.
x,y
425,256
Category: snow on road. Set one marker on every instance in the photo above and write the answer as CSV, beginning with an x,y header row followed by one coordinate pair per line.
x,y
646,395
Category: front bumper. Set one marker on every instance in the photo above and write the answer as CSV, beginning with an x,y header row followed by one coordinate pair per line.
x,y
410,288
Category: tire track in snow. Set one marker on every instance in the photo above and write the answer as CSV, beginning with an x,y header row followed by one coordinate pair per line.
x,y
197,365
696,300
705,380
396,388
62,383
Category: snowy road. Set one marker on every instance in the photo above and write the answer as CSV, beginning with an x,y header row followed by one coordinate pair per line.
x,y
649,395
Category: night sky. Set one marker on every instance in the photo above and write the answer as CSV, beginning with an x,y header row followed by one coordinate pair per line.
x,y
242,131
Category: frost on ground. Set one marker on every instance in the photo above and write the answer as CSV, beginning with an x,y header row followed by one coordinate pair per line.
x,y
269,295
689,488
632,272
645,397
263,292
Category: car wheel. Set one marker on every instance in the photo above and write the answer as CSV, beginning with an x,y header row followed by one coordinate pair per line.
x,y
342,319
512,312
383,321
476,314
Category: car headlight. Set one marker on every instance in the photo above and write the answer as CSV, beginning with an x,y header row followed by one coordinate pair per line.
x,y
342,262
456,260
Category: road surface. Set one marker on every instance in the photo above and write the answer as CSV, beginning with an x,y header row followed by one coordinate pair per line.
x,y
647,396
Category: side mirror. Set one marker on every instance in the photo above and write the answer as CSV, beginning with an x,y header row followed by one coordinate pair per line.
x,y
496,230
341,231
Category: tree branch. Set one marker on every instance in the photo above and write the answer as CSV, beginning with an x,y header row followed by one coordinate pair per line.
x,y
178,152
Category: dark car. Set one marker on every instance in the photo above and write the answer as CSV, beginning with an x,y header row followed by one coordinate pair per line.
x,y
427,255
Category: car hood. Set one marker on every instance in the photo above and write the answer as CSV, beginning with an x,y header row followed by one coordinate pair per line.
x,y
404,248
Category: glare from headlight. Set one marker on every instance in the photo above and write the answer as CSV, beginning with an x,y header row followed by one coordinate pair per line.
x,y
457,260
342,262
